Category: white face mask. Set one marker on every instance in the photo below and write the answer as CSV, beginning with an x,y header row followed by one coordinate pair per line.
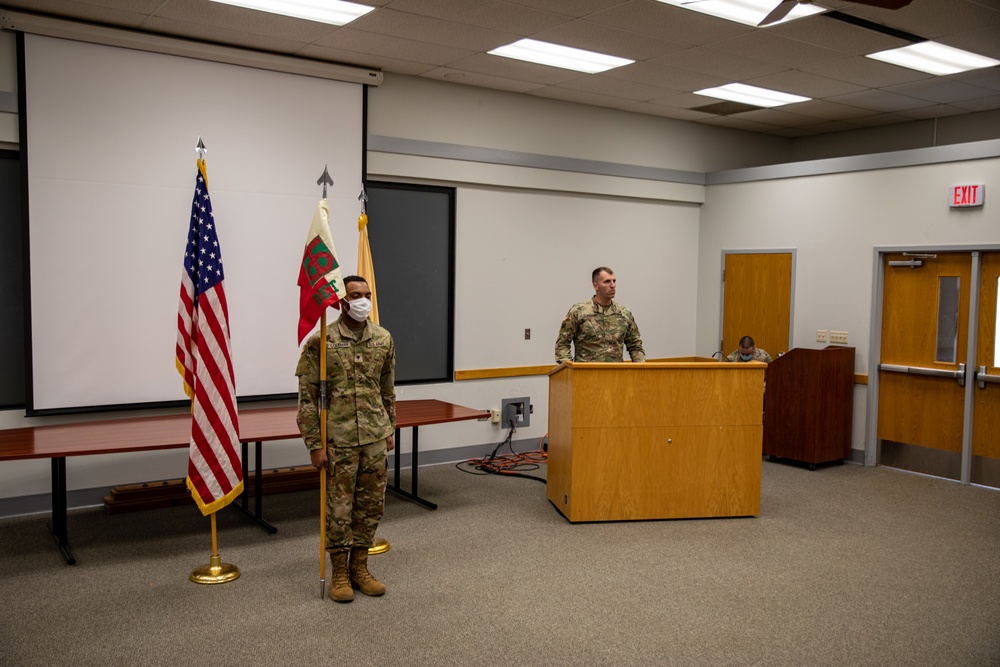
x,y
359,309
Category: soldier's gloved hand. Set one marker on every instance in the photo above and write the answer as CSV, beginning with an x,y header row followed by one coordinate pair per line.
x,y
318,458
389,444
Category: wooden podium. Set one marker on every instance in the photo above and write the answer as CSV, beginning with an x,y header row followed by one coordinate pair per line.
x,y
809,405
655,440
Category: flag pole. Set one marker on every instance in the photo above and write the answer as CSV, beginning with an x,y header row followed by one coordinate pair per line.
x,y
322,471
367,271
324,180
216,572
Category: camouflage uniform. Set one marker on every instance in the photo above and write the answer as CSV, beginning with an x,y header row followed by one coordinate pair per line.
x,y
598,333
361,414
758,355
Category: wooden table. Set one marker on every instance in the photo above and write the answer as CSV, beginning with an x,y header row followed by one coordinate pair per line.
x,y
413,414
174,431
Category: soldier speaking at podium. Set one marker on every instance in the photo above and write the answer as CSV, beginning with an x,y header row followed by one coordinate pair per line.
x,y
598,328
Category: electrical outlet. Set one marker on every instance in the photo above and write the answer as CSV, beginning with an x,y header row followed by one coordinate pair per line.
x,y
516,409
494,416
527,334
821,336
839,337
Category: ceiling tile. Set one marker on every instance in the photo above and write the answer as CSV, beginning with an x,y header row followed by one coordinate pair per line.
x,y
771,48
936,111
631,90
829,33
606,39
399,48
580,97
432,30
482,80
672,24
665,77
804,83
574,8
237,20
865,72
725,66
981,104
215,34
941,89
493,14
366,60
508,68
879,100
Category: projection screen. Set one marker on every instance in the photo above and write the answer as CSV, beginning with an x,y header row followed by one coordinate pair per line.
x,y
110,142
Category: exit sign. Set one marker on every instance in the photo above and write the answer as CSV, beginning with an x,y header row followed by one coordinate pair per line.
x,y
967,195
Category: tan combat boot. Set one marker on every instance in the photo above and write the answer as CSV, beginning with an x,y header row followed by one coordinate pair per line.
x,y
340,583
360,577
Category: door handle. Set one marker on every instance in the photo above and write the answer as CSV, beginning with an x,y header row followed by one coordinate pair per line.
x,y
982,377
958,375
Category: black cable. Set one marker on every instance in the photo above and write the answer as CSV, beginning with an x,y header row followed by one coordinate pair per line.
x,y
484,465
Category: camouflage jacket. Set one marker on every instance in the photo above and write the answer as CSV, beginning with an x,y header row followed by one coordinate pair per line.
x,y
361,402
598,334
758,355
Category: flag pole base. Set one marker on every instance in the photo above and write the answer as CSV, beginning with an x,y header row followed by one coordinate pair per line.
x,y
216,572
380,547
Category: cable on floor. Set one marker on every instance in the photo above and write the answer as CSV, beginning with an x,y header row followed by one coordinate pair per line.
x,y
510,465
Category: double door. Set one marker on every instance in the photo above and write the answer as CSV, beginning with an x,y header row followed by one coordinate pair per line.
x,y
939,365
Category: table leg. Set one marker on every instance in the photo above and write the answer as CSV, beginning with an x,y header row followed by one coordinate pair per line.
x,y
395,487
243,506
58,525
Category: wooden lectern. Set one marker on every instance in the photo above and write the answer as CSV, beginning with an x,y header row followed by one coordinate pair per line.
x,y
655,440
809,405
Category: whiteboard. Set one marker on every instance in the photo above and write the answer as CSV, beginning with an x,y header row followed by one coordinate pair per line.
x,y
110,145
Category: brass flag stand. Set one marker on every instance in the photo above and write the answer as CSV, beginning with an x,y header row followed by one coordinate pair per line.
x,y
216,572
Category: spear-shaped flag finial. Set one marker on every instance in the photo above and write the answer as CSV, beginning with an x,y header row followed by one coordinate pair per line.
x,y
325,180
363,198
200,149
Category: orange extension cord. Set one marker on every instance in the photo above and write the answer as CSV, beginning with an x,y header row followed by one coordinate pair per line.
x,y
509,464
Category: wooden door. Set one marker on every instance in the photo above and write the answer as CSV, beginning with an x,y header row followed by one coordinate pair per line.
x,y
986,404
921,404
757,300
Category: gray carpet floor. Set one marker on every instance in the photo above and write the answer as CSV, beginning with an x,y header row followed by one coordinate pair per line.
x,y
845,565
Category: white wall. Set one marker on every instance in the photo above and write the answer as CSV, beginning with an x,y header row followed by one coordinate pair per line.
x,y
835,222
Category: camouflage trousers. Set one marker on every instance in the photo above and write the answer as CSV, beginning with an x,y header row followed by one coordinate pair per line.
x,y
355,494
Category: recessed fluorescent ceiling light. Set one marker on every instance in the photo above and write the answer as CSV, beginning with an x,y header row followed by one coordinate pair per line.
x,y
544,53
760,97
747,12
322,11
934,58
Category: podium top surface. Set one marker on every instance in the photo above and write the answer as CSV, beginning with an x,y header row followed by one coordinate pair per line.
x,y
659,366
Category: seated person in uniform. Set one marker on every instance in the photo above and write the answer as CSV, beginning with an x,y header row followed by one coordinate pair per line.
x,y
748,351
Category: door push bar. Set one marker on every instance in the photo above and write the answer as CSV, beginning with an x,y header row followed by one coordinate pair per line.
x,y
982,377
958,375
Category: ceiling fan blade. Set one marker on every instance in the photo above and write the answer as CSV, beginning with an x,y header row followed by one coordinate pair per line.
x,y
779,12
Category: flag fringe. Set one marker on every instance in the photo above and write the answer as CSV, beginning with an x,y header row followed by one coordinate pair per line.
x,y
219,503
188,389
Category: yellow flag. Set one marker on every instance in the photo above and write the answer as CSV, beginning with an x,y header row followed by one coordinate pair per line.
x,y
365,267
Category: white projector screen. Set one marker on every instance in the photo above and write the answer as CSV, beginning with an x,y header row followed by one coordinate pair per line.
x,y
111,134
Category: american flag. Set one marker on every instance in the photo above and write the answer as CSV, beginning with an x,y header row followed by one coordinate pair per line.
x,y
215,475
